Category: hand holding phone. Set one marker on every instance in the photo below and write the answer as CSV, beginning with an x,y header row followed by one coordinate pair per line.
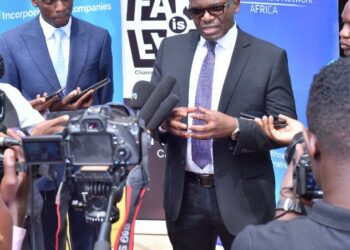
x,y
43,102
276,121
282,135
54,94
94,87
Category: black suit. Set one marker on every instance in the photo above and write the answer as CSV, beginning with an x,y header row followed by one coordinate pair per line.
x,y
257,80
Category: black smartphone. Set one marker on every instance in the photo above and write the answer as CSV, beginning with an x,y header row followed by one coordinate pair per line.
x,y
95,87
276,122
54,94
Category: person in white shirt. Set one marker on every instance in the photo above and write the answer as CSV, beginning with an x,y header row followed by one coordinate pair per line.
x,y
26,114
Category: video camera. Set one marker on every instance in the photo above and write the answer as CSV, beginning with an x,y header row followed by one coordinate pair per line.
x,y
304,183
97,148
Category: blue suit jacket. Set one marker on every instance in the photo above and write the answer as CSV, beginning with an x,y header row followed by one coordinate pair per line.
x,y
29,68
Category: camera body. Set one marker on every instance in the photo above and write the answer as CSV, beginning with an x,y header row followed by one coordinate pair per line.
x,y
96,148
97,137
304,183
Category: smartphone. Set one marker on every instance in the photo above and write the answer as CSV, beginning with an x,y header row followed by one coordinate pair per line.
x,y
276,122
95,87
54,94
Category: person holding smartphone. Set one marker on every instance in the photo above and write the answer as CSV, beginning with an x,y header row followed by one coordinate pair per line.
x,y
61,51
52,51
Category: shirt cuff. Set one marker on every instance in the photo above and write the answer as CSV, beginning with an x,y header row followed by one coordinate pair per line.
x,y
18,236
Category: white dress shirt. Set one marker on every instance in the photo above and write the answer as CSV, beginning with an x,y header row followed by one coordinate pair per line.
x,y
26,114
50,40
17,237
223,53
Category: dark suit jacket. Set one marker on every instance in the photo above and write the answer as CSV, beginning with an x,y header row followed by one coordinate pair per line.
x,y
257,80
28,65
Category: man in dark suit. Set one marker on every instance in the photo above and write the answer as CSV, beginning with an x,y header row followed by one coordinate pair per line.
x,y
57,50
218,192
29,52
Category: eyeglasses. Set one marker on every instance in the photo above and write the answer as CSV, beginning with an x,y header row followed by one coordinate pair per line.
x,y
214,10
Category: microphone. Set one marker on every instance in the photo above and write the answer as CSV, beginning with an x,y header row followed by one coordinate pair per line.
x,y
156,98
8,142
141,91
160,115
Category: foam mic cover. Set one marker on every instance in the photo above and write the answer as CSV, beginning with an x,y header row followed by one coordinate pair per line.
x,y
157,97
161,114
141,91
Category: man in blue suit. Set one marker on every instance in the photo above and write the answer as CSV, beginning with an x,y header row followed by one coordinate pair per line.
x,y
52,51
29,54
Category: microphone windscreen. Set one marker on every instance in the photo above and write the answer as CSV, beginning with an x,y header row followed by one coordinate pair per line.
x,y
141,91
161,91
162,112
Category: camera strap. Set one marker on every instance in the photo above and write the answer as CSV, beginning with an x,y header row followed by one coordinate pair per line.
x,y
134,193
289,153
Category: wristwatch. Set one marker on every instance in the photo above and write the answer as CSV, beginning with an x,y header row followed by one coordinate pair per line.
x,y
291,205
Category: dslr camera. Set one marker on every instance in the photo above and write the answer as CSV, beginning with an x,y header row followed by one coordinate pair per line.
x,y
96,148
304,183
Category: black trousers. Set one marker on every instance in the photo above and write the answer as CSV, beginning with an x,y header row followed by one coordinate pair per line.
x,y
82,235
199,223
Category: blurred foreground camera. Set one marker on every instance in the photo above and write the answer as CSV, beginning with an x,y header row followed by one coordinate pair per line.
x,y
97,147
98,137
304,182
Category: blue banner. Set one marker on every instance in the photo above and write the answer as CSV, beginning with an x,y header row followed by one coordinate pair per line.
x,y
308,30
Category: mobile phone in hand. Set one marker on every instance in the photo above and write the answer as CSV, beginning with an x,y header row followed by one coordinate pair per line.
x,y
95,87
277,123
54,94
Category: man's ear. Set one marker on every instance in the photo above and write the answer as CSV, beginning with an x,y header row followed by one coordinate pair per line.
x,y
237,4
311,144
34,3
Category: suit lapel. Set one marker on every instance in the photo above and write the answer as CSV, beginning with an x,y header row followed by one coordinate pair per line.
x,y
79,43
37,49
239,59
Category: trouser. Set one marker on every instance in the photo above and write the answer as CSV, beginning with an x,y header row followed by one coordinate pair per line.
x,y
199,223
82,235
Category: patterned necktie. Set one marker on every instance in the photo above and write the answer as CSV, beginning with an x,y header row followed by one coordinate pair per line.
x,y
201,149
58,60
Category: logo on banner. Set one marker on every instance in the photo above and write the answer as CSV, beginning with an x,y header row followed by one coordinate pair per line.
x,y
272,7
148,22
